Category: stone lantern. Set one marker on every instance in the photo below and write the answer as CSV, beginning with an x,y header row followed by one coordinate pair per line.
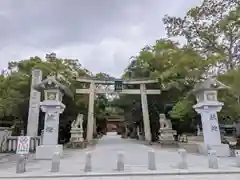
x,y
52,106
208,106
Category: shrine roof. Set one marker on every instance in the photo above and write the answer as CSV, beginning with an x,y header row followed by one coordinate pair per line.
x,y
51,83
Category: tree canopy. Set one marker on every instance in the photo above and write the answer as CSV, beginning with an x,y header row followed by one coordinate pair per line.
x,y
212,34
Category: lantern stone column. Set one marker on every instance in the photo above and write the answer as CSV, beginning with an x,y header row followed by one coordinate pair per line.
x,y
53,107
208,106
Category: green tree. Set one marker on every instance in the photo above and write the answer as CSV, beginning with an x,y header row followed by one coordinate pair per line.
x,y
10,98
211,28
230,97
15,86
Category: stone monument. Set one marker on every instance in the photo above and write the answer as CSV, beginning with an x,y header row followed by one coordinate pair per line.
x,y
34,103
77,133
208,106
52,106
166,132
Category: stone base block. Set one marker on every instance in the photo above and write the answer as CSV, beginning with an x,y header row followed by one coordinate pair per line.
x,y
80,145
47,151
222,150
92,142
167,138
169,144
189,147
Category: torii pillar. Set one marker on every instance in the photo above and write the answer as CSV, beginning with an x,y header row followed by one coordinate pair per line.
x,y
91,111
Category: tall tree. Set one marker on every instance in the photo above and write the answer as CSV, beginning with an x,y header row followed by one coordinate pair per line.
x,y
15,86
211,28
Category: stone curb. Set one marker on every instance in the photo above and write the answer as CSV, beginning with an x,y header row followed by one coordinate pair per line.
x,y
122,174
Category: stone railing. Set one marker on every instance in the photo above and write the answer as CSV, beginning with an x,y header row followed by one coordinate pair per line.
x,y
11,144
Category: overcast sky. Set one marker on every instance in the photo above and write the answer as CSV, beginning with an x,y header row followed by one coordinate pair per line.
x,y
102,34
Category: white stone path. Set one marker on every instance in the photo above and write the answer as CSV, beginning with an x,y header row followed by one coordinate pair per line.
x,y
104,161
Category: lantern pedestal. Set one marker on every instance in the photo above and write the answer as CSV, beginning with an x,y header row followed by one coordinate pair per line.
x,y
45,152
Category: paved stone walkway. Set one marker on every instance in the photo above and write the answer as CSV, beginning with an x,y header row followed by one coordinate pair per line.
x,y
104,161
195,177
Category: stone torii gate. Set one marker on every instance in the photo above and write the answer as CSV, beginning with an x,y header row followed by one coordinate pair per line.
x,y
92,91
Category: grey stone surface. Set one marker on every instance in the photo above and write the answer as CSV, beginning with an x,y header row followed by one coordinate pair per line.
x,y
183,159
238,161
120,161
55,162
237,155
88,162
212,159
151,160
21,164
135,158
5,157
181,177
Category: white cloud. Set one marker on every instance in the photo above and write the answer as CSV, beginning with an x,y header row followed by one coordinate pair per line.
x,y
102,34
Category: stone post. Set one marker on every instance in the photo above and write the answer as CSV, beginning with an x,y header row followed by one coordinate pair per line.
x,y
21,164
208,106
55,162
212,159
151,160
88,162
34,102
237,154
183,159
120,161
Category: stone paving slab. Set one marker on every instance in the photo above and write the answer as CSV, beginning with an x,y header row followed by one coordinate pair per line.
x,y
185,177
4,157
104,161
4,154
